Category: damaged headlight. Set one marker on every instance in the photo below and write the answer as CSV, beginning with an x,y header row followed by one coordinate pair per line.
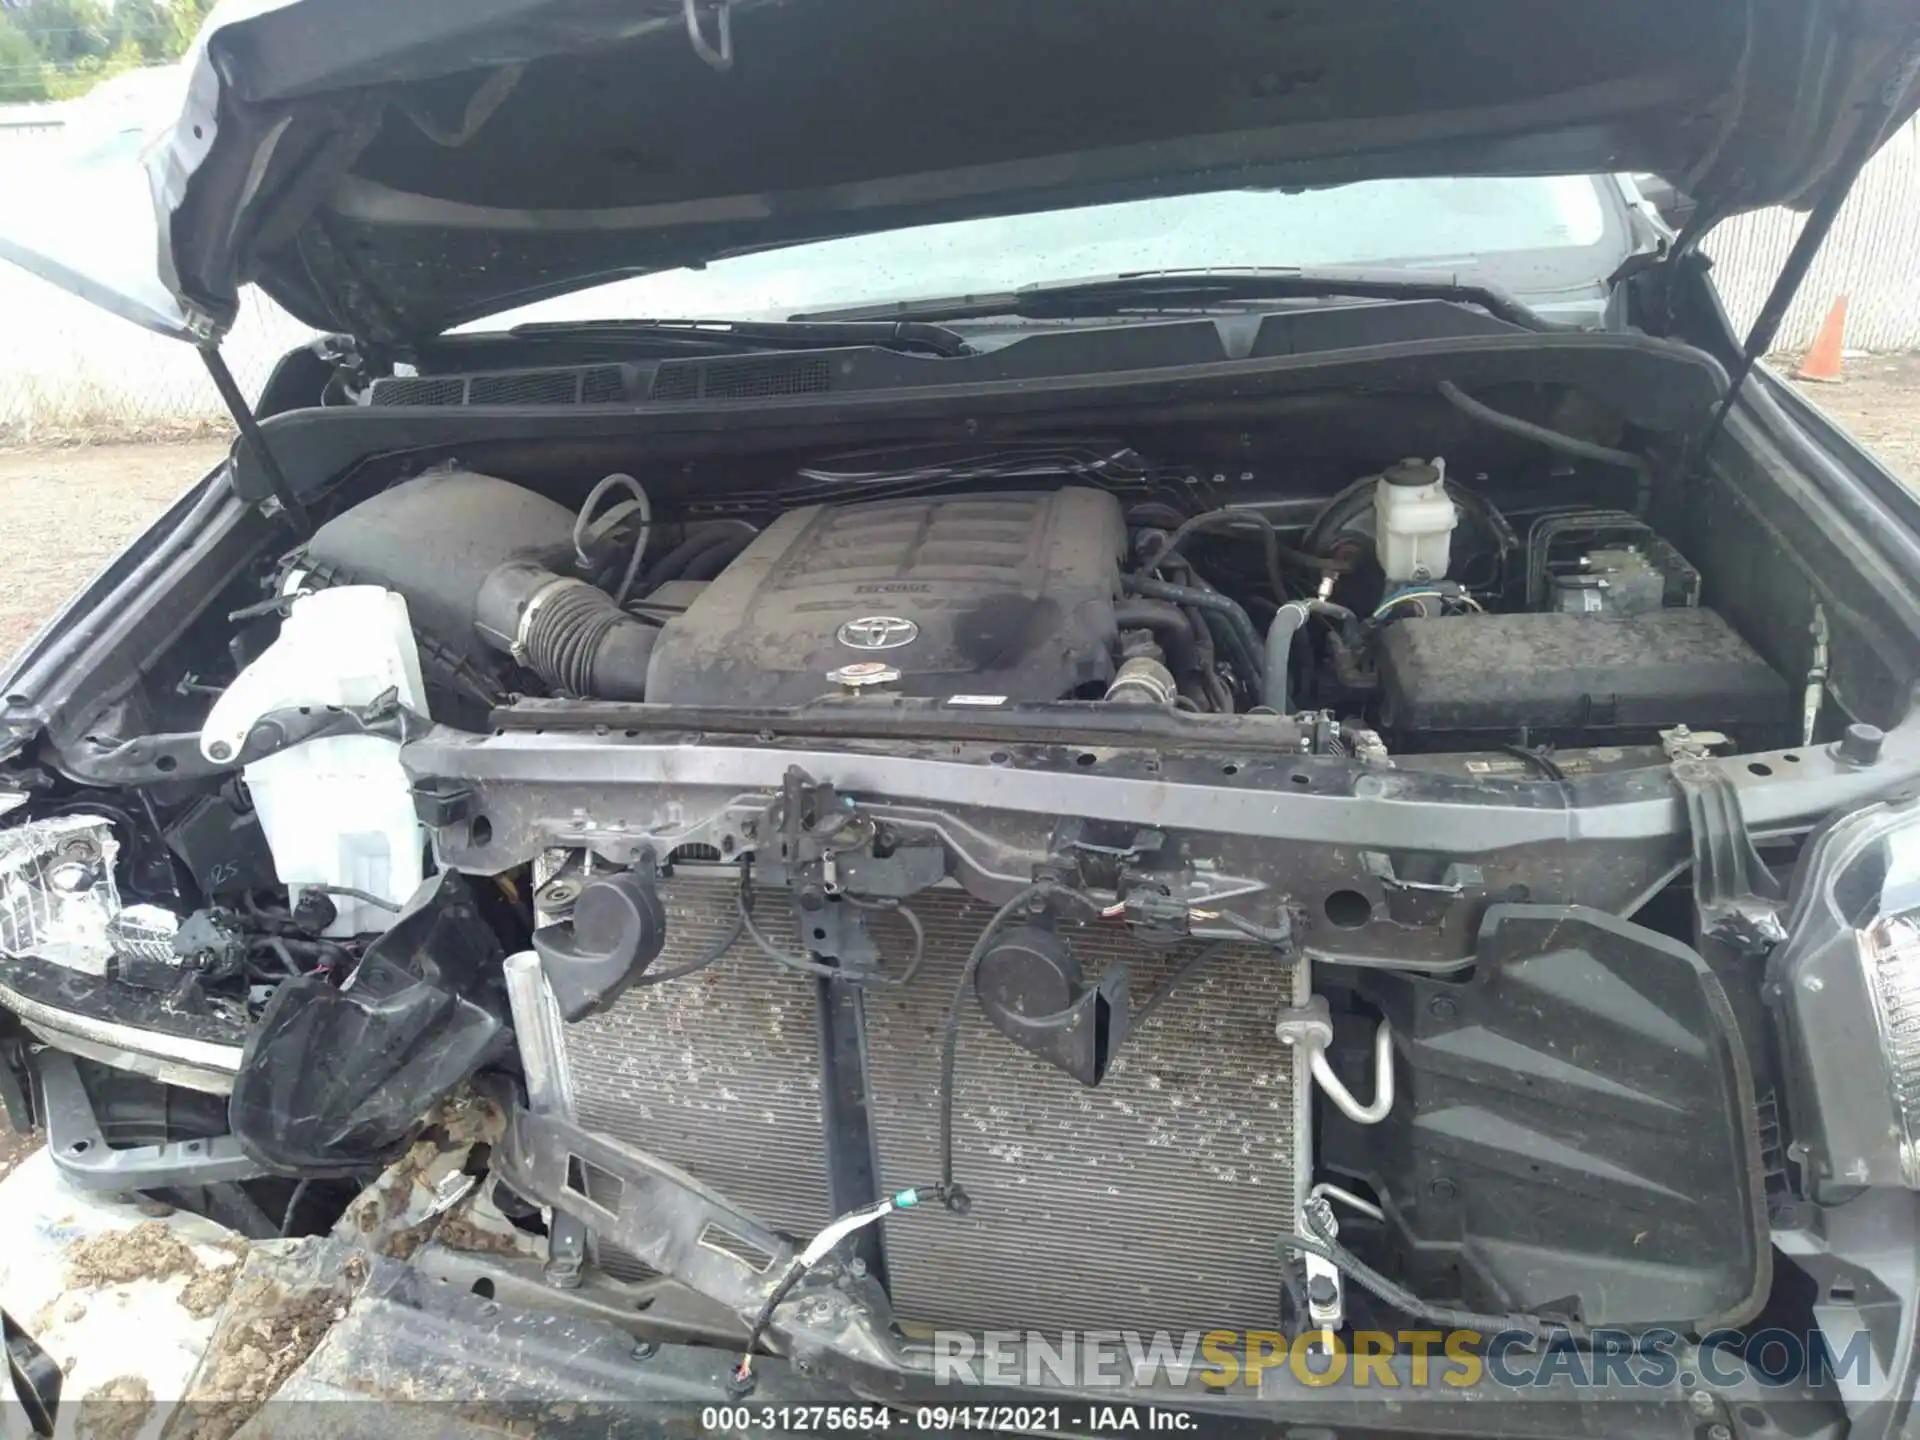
x,y
58,900
1846,985
1889,951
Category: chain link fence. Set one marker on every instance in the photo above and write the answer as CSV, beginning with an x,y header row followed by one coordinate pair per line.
x,y
1869,256
70,372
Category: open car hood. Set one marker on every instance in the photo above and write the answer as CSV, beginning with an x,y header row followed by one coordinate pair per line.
x,y
392,170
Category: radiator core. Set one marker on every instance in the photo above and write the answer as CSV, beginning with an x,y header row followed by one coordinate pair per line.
x,y
1149,1202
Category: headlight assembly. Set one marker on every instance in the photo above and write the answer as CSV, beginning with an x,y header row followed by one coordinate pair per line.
x,y
1846,986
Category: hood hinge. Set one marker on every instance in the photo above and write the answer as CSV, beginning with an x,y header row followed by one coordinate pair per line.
x,y
250,435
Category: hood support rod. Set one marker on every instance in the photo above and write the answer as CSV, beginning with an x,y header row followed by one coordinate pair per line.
x,y
1859,149
242,413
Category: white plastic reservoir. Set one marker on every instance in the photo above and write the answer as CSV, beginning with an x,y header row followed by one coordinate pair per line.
x,y
1413,521
336,811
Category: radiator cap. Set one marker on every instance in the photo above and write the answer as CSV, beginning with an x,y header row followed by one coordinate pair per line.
x,y
1031,987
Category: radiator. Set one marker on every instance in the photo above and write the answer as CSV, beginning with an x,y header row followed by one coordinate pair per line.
x,y
1150,1202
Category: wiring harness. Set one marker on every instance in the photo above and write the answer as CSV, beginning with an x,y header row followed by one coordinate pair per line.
x,y
816,1250
1317,1217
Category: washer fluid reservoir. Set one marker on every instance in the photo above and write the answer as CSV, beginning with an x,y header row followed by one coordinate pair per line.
x,y
339,810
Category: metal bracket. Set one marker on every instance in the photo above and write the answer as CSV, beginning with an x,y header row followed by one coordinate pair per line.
x,y
839,932
83,1158
1683,743
1423,902
1309,1025
543,1061
1326,1289
852,1159
908,870
1141,843
566,1251
1738,898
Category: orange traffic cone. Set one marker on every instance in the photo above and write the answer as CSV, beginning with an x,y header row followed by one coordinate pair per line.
x,y
1822,362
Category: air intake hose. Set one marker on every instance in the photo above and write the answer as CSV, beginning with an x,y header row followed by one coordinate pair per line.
x,y
569,633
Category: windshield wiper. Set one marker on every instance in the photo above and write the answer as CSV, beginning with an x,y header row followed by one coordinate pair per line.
x,y
1192,290
727,337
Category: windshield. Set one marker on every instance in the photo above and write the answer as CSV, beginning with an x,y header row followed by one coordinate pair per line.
x,y
1550,240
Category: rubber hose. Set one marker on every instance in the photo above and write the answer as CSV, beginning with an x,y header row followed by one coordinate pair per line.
x,y
1224,520
1287,621
1526,429
673,565
1239,624
1228,641
1341,618
715,558
1170,631
564,634
573,636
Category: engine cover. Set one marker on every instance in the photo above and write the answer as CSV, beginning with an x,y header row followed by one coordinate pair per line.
x,y
1008,595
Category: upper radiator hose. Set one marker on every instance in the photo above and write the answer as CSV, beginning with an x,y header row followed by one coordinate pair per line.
x,y
569,633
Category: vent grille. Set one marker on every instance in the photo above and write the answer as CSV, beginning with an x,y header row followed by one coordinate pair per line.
x,y
533,387
592,385
603,385
421,390
748,378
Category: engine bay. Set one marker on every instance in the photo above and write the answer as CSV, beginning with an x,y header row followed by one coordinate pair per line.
x,y
876,697
1063,828
1558,627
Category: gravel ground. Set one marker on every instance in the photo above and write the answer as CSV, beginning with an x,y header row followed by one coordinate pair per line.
x,y
64,512
13,1147
1879,405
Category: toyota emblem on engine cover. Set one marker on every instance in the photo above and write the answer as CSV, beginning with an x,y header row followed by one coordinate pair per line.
x,y
878,632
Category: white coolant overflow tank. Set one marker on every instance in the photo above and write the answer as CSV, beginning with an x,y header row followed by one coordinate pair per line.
x,y
1413,521
336,811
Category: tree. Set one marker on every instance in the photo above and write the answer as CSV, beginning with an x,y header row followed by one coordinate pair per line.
x,y
188,16
65,32
160,30
23,74
148,26
57,49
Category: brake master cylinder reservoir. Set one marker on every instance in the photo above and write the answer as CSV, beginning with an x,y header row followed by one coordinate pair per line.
x,y
337,811
1413,521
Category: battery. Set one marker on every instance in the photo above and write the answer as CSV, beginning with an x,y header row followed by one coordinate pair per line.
x,y
1595,676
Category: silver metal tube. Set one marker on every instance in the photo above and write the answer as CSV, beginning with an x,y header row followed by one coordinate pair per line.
x,y
538,1028
1816,675
1382,1081
1326,1190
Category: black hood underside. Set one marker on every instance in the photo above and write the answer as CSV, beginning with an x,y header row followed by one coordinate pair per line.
x,y
390,172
